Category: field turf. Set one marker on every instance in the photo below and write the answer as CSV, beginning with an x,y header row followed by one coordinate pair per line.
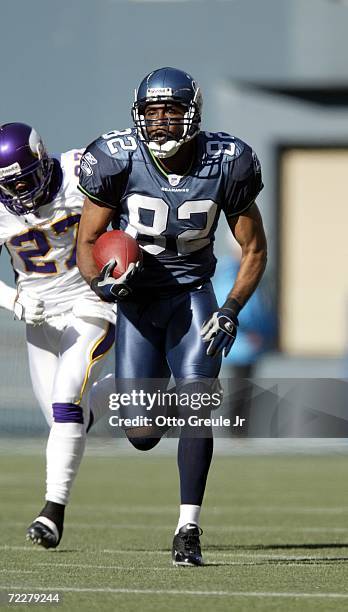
x,y
275,535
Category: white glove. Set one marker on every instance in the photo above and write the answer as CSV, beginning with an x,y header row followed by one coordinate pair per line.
x,y
29,307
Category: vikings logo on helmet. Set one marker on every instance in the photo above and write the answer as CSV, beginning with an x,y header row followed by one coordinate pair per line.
x,y
168,85
25,168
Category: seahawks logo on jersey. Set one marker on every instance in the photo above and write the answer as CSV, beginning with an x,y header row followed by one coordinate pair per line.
x,y
87,161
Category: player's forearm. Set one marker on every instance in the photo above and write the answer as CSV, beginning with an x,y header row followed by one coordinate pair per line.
x,y
85,260
252,267
249,233
93,223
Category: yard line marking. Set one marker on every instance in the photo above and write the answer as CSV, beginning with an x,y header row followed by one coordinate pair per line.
x,y
209,554
14,571
208,512
8,547
82,566
291,562
102,567
218,528
177,592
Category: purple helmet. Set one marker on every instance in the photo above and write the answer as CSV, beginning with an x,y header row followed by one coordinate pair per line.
x,y
25,168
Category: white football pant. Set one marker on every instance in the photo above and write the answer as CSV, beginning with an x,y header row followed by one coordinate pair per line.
x,y
65,358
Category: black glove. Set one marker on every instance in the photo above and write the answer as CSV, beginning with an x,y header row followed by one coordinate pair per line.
x,y
110,289
220,330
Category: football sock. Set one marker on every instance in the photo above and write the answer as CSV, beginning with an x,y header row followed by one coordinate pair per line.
x,y
99,397
189,513
55,513
194,458
65,447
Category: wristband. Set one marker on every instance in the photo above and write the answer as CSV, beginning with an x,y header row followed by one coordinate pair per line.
x,y
232,305
94,282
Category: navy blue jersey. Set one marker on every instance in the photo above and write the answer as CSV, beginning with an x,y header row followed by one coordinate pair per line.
x,y
173,217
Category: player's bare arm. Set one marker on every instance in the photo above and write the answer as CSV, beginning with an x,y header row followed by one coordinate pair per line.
x,y
248,230
221,329
93,223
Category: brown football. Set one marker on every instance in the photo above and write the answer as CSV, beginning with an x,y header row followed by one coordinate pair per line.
x,y
119,246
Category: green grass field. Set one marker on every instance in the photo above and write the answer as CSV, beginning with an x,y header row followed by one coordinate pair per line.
x,y
275,535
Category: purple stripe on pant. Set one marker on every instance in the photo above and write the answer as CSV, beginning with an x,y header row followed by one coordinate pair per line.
x,y
106,343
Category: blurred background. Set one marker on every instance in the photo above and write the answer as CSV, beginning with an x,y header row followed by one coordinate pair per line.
x,y
274,73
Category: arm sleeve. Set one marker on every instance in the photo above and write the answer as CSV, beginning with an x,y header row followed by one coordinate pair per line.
x,y
102,177
244,183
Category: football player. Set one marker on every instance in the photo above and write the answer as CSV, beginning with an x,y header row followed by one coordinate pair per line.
x,y
165,182
69,329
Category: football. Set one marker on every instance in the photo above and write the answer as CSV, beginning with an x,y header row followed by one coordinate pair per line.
x,y
119,246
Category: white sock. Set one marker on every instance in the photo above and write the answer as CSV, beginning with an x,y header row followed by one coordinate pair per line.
x,y
99,396
188,514
65,447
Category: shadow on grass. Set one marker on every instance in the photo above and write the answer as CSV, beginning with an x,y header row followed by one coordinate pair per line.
x,y
304,546
292,561
64,551
278,547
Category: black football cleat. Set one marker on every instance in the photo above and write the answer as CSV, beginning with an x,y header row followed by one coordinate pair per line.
x,y
43,532
187,547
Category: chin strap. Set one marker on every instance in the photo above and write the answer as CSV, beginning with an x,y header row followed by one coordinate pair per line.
x,y
168,149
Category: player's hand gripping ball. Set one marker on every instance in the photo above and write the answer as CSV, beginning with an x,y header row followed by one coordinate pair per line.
x,y
119,259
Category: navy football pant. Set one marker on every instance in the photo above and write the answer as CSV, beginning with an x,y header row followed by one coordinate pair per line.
x,y
162,337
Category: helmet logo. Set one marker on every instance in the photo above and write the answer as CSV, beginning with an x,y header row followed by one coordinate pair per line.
x,y
10,170
35,144
153,92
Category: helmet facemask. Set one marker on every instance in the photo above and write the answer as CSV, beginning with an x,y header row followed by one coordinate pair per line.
x,y
190,122
35,184
23,191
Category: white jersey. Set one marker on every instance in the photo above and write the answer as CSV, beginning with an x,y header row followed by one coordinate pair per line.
x,y
43,249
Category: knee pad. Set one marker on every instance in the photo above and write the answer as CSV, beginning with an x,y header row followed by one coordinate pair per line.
x,y
143,443
67,413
